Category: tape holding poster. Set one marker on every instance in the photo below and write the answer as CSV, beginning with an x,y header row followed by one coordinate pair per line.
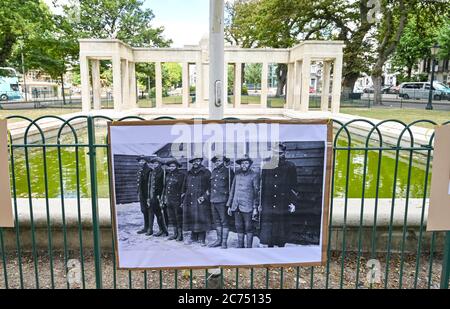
x,y
439,211
6,214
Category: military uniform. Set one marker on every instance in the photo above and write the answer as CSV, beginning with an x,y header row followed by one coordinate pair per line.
x,y
278,191
172,200
155,189
243,201
221,180
142,190
197,216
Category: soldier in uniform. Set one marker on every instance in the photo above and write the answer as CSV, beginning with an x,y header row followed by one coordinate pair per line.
x,y
196,205
155,188
172,197
142,185
244,200
221,180
278,199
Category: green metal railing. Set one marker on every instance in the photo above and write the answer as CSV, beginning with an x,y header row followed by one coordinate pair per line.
x,y
67,165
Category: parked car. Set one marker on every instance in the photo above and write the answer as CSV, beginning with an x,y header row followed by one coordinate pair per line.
x,y
390,89
421,90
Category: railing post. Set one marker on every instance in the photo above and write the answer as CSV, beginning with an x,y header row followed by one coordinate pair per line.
x,y
94,200
445,274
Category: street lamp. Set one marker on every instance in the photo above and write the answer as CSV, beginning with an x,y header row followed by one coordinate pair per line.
x,y
434,51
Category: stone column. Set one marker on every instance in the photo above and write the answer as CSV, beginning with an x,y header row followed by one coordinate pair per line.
x,y
125,84
337,80
290,85
185,84
96,86
133,86
85,91
297,85
117,82
325,86
237,84
306,79
158,84
264,86
198,84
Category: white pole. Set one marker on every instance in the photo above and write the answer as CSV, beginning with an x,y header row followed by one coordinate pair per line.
x,y
216,60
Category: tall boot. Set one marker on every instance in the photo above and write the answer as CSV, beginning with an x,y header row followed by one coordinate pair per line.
x,y
240,240
202,238
225,238
180,234
218,241
175,234
150,223
162,226
145,229
194,236
249,240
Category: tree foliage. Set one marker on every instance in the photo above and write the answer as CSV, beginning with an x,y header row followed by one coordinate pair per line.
x,y
20,20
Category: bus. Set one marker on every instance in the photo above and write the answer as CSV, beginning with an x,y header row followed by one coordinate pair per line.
x,y
9,84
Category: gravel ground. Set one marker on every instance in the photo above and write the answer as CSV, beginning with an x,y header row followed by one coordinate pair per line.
x,y
291,277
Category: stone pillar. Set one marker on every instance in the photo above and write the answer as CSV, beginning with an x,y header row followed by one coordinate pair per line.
x,y
133,86
117,82
96,86
306,79
264,86
185,82
325,86
85,91
337,80
125,84
290,85
198,84
297,85
237,84
158,84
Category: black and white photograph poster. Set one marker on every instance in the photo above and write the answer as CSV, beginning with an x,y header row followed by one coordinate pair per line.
x,y
196,194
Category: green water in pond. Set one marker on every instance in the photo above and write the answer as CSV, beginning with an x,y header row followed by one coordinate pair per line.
x,y
66,181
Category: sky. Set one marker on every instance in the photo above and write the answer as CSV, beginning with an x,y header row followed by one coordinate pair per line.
x,y
184,21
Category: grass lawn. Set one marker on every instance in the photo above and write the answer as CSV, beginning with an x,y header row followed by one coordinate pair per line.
x,y
405,115
35,113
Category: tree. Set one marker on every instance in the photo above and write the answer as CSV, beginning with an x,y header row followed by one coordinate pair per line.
x,y
125,20
19,19
390,31
253,73
443,38
171,75
282,24
414,45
